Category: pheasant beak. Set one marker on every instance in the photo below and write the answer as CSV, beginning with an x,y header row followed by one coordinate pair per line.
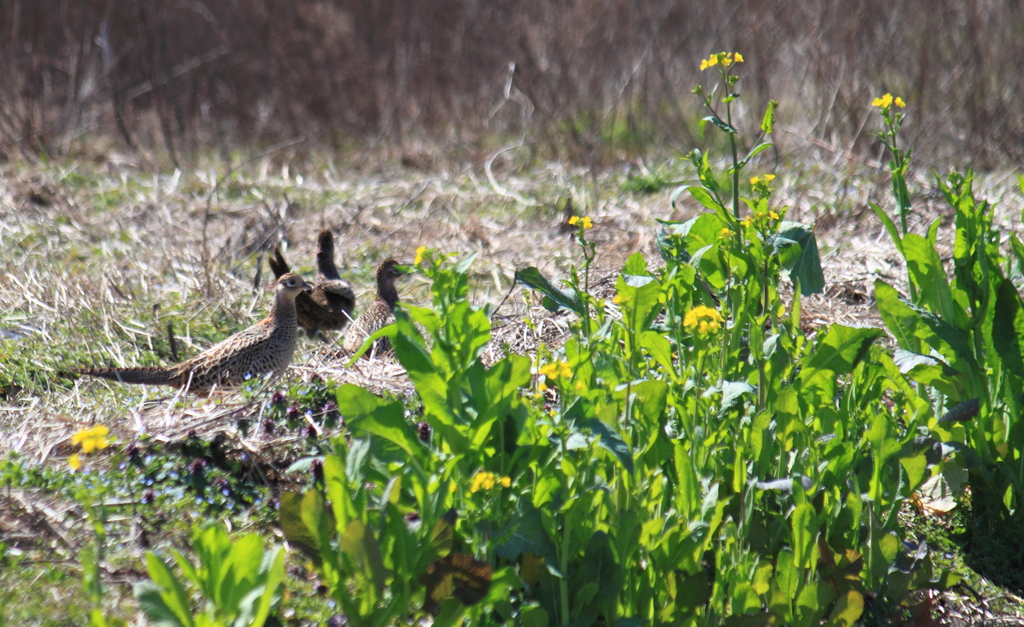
x,y
307,286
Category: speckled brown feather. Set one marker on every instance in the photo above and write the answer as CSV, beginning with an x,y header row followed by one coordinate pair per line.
x,y
331,303
267,346
378,315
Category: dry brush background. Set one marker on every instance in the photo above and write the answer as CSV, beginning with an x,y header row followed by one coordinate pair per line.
x,y
588,80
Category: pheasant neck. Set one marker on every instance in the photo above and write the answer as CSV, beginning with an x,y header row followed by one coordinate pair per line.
x,y
386,292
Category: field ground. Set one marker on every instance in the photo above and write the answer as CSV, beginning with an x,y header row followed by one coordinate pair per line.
x,y
98,257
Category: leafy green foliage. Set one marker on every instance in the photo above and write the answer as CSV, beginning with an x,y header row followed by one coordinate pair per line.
x,y
238,581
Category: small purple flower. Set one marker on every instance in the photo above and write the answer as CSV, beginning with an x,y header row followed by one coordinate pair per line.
x,y
278,398
148,497
197,466
292,412
423,431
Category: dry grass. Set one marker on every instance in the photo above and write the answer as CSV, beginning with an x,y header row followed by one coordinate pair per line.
x,y
582,80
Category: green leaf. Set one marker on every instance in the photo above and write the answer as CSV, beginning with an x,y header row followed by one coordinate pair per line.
x,y
927,370
532,278
359,544
768,121
837,354
926,270
274,578
370,413
847,611
612,442
907,322
1008,328
721,124
172,594
157,611
805,267
732,392
916,467
805,527
289,517
889,225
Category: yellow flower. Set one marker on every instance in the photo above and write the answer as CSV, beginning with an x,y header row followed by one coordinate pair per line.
x,y
555,370
92,439
573,220
769,177
759,216
747,221
754,180
899,102
487,480
74,462
725,233
773,215
703,320
419,255
737,57
725,59
882,103
617,299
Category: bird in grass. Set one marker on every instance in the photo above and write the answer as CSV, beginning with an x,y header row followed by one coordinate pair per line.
x,y
267,346
379,314
331,303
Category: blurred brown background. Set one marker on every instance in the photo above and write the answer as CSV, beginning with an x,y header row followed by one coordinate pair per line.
x,y
577,79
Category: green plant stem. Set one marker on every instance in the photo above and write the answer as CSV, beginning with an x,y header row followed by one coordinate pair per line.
x,y
563,583
735,163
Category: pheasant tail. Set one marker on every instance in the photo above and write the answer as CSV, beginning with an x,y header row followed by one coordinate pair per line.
x,y
151,376
277,264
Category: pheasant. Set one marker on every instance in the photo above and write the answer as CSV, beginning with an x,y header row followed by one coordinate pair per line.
x,y
330,304
379,314
266,346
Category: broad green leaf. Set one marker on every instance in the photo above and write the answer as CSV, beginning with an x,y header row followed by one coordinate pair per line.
x,y
1008,328
837,354
240,570
171,591
926,270
930,371
916,468
274,578
367,412
532,278
289,517
152,603
805,267
847,611
804,527
359,544
612,442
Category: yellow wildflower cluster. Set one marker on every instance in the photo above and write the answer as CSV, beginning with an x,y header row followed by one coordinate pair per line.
x,y
585,222
887,101
556,369
703,320
419,255
725,233
92,439
768,178
484,480
725,59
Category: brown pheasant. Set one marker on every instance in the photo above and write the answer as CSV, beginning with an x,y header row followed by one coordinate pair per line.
x,y
330,304
378,315
266,346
